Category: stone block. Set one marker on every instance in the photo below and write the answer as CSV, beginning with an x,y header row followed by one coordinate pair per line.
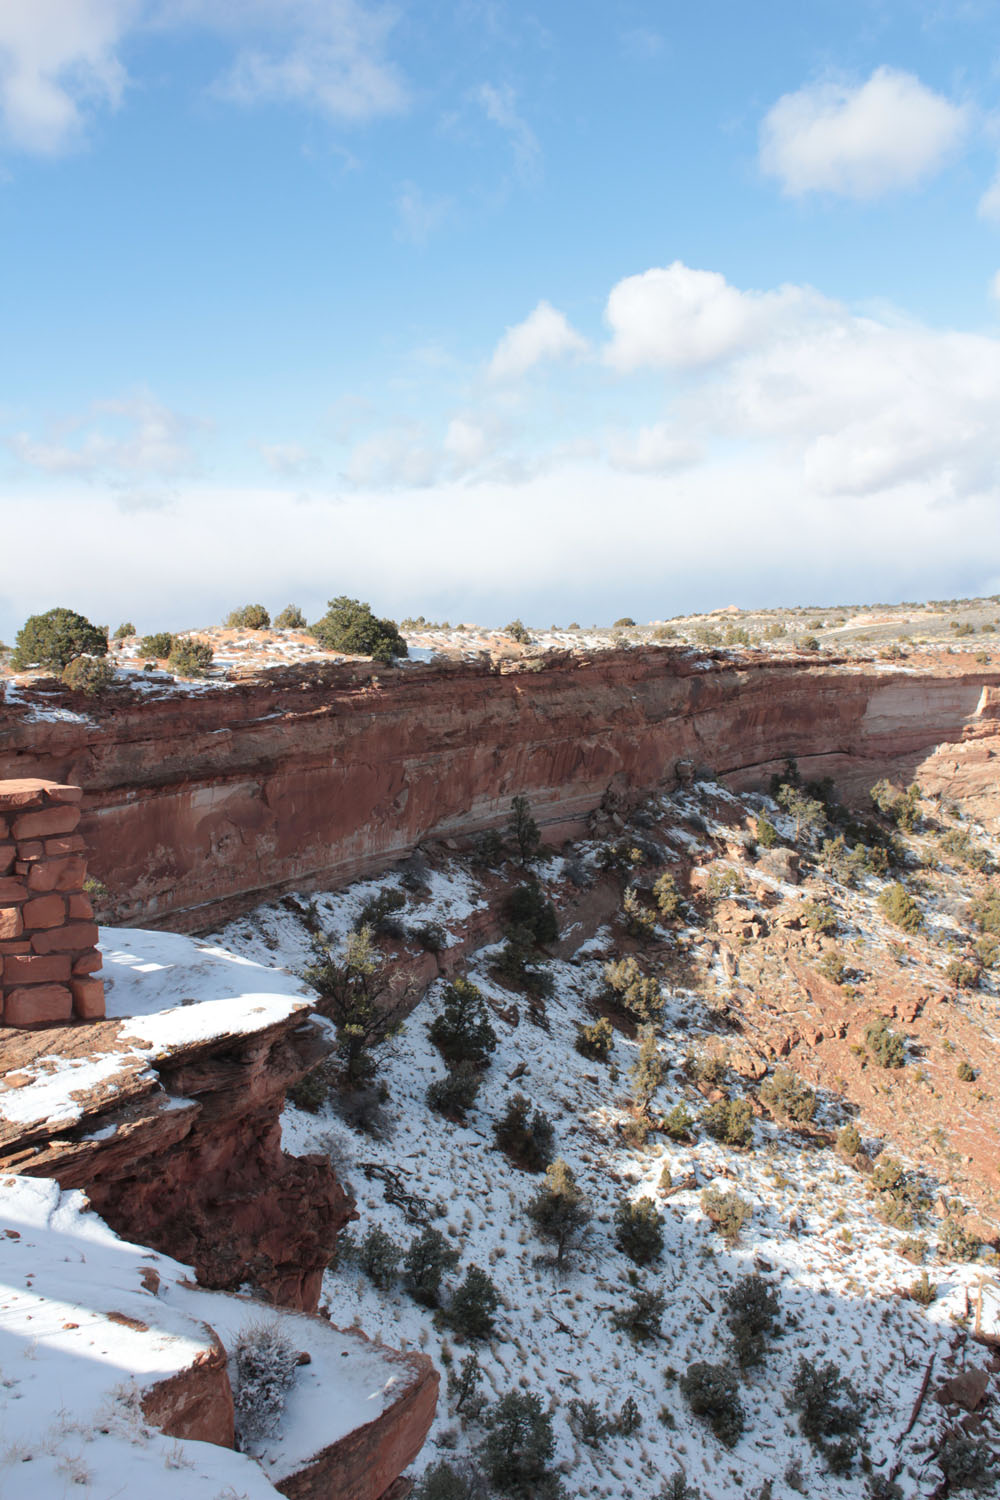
x,y
26,791
31,791
4,828
50,820
73,938
28,850
14,945
88,999
12,891
11,925
66,874
78,907
37,1004
8,854
35,968
44,912
88,963
65,843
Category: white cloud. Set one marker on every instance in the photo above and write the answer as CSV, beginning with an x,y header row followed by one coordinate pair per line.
x,y
327,55
654,449
285,458
989,203
545,334
500,107
58,65
675,316
393,457
466,442
861,141
125,438
419,215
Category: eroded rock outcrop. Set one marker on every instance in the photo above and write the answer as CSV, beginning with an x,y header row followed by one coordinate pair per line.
x,y
199,806
184,1153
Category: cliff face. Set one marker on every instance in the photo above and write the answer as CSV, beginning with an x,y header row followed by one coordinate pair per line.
x,y
198,806
186,1156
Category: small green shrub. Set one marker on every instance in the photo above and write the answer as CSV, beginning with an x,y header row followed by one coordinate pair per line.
x,y
649,1069
473,1306
963,973
522,830
518,632
727,1212
379,1257
312,1091
518,1447
886,1046
89,675
189,658
896,903
677,1124
379,913
712,1392
462,1031
923,1290
956,1243
249,617
667,896
849,1141
788,1097
456,1092
640,922
751,1308
425,1264
967,1464
595,1041
730,1121
290,618
54,638
430,936
638,1230
587,1422
766,833
528,1139
528,907
629,1418
965,1072
642,1316
633,991
819,916
124,630
447,1481
159,644
559,1210
350,627
830,1411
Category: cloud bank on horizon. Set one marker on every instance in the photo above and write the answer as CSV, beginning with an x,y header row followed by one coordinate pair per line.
x,y
491,317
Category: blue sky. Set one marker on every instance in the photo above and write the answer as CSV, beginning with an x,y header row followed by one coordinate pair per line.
x,y
479,310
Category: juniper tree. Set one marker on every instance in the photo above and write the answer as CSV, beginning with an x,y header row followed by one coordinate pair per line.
x,y
425,1264
462,1032
523,831
648,1070
559,1209
355,994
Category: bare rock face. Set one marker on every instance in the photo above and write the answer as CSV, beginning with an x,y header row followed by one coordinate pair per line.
x,y
187,1158
197,807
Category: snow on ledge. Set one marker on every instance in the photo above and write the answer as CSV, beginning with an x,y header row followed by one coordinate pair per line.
x,y
169,992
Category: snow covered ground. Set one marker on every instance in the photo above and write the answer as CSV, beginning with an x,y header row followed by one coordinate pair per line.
x,y
838,1269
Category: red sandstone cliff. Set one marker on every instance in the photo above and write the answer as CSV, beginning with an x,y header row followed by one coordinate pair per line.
x,y
197,806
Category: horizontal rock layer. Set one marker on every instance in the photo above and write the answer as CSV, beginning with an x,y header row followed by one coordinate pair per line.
x,y
196,807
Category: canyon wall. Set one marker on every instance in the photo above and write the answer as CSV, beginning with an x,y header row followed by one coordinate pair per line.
x,y
199,805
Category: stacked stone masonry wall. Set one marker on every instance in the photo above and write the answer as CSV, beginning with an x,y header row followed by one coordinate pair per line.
x,y
48,937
